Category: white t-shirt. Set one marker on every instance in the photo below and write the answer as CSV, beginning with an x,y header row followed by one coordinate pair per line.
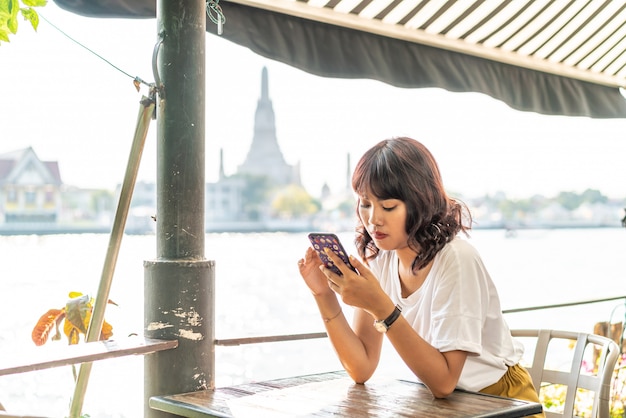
x,y
456,308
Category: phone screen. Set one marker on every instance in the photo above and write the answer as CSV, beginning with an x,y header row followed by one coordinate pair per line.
x,y
327,240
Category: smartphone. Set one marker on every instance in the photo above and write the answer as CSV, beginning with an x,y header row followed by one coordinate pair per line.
x,y
327,240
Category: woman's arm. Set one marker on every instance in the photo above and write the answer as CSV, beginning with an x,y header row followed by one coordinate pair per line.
x,y
439,371
358,352
358,349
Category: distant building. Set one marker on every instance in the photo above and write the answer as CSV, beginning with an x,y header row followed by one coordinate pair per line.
x,y
30,189
264,157
225,200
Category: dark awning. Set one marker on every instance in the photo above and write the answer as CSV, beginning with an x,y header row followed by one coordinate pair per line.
x,y
565,58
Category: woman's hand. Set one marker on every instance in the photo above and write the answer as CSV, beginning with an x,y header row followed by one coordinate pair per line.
x,y
359,290
309,268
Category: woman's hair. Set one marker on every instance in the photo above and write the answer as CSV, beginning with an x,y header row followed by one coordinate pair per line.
x,y
404,169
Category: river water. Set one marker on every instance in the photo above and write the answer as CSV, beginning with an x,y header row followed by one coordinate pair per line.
x,y
259,292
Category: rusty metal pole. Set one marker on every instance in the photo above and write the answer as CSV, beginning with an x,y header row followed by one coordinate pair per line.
x,y
179,283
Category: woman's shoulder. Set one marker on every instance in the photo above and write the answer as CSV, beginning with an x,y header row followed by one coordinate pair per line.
x,y
460,257
459,247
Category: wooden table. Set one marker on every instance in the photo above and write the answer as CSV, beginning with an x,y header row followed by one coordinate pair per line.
x,y
334,394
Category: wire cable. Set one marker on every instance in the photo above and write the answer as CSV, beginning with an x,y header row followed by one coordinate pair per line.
x,y
135,79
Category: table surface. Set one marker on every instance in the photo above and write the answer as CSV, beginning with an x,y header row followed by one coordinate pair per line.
x,y
334,394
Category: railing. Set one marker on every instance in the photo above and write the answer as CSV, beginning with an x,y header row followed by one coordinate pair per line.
x,y
38,358
270,339
563,305
314,335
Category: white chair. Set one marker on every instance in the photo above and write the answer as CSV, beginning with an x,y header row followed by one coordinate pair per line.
x,y
573,374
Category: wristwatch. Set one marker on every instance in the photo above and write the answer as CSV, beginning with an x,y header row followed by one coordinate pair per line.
x,y
383,325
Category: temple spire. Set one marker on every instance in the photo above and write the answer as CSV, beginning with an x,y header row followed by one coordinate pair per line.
x,y
222,174
264,85
264,156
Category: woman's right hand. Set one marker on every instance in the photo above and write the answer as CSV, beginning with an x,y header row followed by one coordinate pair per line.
x,y
309,268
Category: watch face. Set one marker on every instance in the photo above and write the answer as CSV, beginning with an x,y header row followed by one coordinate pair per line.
x,y
380,326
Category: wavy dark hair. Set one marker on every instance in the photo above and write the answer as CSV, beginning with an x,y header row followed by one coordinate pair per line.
x,y
404,169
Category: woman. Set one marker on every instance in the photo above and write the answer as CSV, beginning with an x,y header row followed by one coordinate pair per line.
x,y
420,284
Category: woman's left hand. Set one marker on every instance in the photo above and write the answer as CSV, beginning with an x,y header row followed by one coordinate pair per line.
x,y
360,290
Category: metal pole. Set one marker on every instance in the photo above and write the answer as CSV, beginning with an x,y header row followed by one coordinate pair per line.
x,y
179,283
115,241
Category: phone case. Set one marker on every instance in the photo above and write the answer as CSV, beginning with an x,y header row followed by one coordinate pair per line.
x,y
328,240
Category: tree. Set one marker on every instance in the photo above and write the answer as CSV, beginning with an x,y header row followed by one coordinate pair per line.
x,y
569,200
294,202
9,12
594,196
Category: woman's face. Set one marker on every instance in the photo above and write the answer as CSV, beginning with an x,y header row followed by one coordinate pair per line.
x,y
384,220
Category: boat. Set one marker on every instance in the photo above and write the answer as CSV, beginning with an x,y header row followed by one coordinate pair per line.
x,y
443,49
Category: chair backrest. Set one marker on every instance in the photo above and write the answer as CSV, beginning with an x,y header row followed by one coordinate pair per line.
x,y
576,374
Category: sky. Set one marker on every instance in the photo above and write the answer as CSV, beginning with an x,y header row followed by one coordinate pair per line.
x,y
71,106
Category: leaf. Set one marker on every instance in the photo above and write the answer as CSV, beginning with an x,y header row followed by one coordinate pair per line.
x,y
107,331
4,28
5,15
78,312
13,9
9,10
68,330
45,324
35,3
73,335
12,24
31,16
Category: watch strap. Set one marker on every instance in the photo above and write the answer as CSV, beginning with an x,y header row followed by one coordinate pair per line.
x,y
387,322
392,318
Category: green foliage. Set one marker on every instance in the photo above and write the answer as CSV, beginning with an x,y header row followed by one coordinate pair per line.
x,y
571,201
294,202
9,12
516,210
594,196
511,208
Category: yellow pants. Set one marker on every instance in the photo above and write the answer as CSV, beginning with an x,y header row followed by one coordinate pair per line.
x,y
517,384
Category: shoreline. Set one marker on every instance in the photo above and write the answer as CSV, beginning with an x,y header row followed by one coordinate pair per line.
x,y
263,228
